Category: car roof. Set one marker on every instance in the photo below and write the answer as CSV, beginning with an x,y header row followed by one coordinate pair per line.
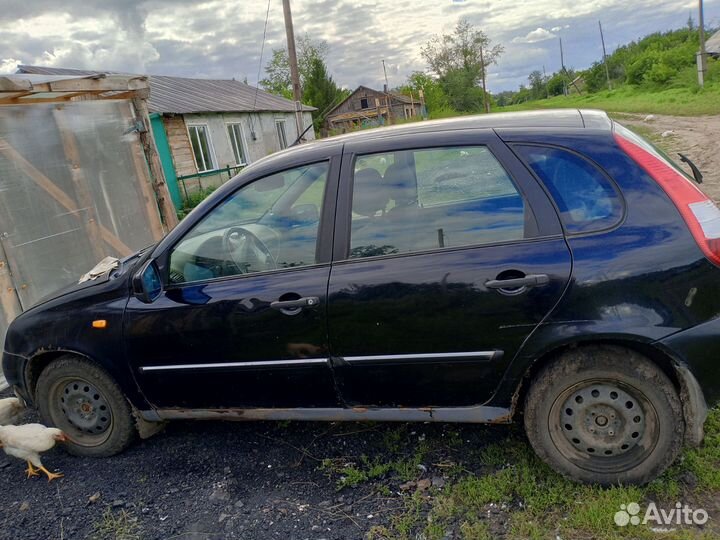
x,y
550,119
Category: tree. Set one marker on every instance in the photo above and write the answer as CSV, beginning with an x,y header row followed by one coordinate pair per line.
x,y
320,91
460,61
537,84
277,70
435,99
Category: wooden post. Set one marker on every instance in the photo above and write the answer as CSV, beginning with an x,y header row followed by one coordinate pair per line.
x,y
9,299
607,69
80,184
143,183
294,72
486,102
702,55
162,194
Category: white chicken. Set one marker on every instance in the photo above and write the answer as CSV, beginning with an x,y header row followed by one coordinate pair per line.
x,y
27,442
11,409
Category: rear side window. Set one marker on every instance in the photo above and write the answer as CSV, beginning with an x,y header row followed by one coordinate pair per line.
x,y
426,199
586,198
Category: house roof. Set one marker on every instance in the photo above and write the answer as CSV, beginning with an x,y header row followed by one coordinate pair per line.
x,y
712,45
27,88
181,95
395,97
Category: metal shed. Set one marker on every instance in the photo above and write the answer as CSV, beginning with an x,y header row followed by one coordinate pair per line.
x,y
79,180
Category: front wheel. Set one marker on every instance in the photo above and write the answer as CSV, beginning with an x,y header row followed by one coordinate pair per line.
x,y
79,397
604,415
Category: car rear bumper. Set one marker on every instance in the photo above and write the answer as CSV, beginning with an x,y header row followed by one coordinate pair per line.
x,y
699,349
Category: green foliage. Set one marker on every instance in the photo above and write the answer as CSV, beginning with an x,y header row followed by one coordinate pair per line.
x,y
193,200
320,91
556,84
277,71
537,84
675,98
652,64
462,93
460,61
433,94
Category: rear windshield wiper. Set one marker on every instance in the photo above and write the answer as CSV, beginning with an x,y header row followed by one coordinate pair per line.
x,y
696,172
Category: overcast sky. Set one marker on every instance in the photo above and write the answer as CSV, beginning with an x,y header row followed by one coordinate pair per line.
x,y
222,39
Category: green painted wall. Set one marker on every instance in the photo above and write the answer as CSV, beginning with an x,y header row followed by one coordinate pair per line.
x,y
163,149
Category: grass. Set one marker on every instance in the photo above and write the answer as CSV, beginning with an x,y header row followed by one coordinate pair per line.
x,y
504,485
681,96
684,101
120,526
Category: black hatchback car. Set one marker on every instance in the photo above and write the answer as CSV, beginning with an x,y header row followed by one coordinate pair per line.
x,y
550,265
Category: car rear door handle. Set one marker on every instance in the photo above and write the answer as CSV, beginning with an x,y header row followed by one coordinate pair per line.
x,y
307,301
531,280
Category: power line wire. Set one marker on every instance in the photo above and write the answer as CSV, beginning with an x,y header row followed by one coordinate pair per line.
x,y
262,51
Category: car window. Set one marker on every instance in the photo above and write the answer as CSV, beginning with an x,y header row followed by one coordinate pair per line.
x,y
416,200
586,198
269,224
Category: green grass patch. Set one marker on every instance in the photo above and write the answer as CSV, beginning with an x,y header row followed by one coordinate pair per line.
x,y
680,101
536,503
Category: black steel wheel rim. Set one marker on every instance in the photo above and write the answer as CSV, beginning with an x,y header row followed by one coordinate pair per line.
x,y
604,426
80,409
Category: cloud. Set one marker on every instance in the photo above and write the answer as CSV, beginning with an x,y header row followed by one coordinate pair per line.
x,y
535,36
9,65
222,39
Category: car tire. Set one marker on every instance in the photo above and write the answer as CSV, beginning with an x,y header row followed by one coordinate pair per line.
x,y
605,415
82,399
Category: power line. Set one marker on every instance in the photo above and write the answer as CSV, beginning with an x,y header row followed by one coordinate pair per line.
x,y
257,84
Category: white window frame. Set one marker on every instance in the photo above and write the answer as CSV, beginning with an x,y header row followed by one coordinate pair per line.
x,y
211,149
237,147
282,141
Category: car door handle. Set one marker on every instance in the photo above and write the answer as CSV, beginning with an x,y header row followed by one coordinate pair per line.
x,y
531,280
307,301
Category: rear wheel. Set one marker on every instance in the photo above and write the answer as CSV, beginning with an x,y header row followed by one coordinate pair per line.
x,y
605,415
79,397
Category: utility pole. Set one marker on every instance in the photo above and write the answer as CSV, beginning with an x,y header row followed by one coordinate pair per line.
x,y
562,67
702,56
545,80
486,102
388,102
607,70
294,73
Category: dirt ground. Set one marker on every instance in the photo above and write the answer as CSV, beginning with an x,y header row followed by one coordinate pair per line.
x,y
222,480
696,137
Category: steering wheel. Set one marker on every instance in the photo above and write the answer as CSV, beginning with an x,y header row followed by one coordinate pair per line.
x,y
247,251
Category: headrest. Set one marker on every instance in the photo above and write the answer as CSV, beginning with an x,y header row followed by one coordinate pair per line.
x,y
400,181
369,194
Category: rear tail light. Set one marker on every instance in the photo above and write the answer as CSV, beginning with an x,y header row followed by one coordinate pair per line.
x,y
698,211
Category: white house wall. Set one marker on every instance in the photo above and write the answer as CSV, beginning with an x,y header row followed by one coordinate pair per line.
x,y
262,124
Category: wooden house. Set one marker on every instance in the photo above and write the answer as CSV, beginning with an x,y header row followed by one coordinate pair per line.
x,y
367,107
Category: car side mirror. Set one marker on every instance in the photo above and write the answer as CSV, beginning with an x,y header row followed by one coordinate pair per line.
x,y
147,284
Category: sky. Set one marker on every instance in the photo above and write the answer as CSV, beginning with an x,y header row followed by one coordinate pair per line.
x,y
223,39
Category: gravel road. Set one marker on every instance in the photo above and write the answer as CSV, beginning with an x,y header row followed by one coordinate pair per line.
x,y
697,137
